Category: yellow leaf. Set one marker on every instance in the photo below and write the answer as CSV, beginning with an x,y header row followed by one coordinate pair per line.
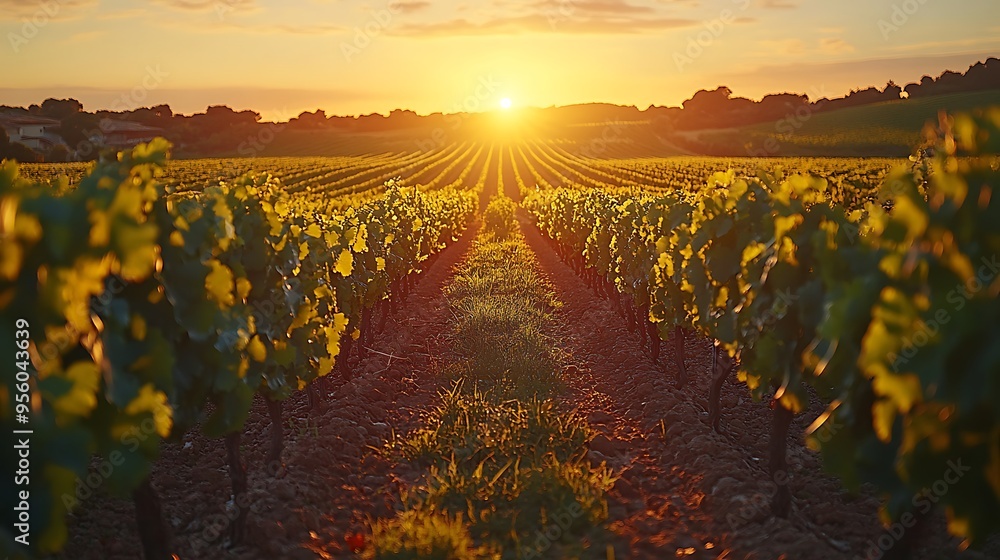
x,y
314,231
784,224
911,215
138,327
325,365
345,264
219,283
256,349
958,526
379,264
361,240
82,396
883,415
334,333
243,287
155,402
304,314
791,402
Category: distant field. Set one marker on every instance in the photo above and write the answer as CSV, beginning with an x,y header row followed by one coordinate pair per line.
x,y
890,128
514,166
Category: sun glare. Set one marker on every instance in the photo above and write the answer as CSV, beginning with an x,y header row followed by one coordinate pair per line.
x,y
506,103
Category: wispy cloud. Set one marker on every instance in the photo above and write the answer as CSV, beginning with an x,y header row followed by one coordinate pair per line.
x,y
538,23
970,43
835,46
207,5
590,7
50,11
780,4
233,26
85,36
412,6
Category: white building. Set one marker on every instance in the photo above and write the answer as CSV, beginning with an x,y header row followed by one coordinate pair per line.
x,y
34,132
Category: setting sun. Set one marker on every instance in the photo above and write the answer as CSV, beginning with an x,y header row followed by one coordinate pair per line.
x,y
506,103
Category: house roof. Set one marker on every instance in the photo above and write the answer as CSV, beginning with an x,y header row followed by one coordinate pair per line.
x,y
10,120
111,126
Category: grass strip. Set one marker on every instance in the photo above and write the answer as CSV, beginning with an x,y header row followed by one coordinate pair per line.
x,y
507,475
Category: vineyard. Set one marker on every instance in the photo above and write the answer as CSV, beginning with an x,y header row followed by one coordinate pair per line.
x,y
504,350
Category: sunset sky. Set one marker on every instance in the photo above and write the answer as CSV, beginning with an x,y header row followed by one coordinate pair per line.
x,y
356,57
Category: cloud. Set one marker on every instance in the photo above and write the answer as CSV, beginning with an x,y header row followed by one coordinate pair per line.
x,y
208,5
607,17
590,7
779,4
85,36
969,43
50,10
540,23
256,28
835,46
412,6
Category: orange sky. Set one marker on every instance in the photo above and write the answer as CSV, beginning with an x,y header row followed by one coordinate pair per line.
x,y
356,57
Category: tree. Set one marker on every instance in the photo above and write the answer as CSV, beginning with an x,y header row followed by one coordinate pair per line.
x,y
891,91
60,109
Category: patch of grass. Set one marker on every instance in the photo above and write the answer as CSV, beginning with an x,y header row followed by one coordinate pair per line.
x,y
420,535
501,459
510,467
501,306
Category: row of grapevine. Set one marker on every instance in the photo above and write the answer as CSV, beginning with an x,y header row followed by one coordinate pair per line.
x,y
129,309
890,316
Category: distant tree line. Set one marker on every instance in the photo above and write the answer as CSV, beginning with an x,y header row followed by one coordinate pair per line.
x,y
221,130
719,109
